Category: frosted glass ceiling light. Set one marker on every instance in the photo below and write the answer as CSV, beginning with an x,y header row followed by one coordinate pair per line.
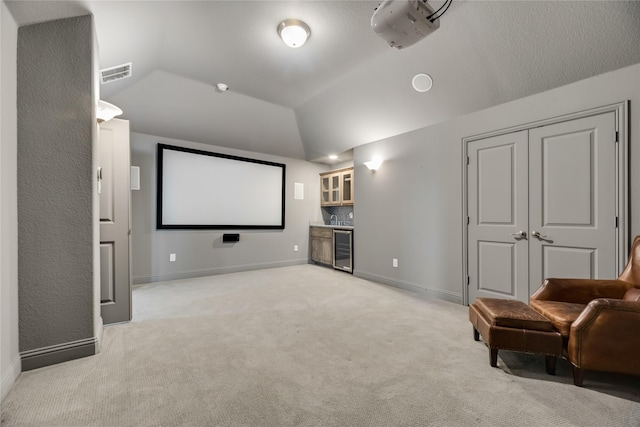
x,y
293,32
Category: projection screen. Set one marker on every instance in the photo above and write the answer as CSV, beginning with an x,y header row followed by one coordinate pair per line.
x,y
203,190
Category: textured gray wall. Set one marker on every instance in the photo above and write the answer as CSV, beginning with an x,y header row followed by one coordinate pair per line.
x,y
411,207
9,349
201,252
55,182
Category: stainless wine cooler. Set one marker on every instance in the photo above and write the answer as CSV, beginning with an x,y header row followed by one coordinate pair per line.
x,y
343,250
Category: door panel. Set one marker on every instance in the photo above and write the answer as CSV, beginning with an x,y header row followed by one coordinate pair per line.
x,y
495,184
105,153
107,283
567,178
492,279
560,261
498,210
573,199
115,279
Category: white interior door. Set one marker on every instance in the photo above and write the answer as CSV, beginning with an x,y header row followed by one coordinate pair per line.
x,y
498,211
573,199
557,184
115,218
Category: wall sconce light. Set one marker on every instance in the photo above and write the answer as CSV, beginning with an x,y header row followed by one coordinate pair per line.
x,y
293,32
106,111
374,164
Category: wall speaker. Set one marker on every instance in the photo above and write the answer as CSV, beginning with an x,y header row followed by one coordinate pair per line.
x,y
230,238
135,177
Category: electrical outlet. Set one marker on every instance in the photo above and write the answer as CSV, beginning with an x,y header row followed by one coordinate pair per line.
x,y
395,262
295,248
172,257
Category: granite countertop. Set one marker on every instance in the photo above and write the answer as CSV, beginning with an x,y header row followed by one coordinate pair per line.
x,y
319,224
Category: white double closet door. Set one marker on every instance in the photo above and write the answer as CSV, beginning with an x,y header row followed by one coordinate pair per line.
x,y
541,203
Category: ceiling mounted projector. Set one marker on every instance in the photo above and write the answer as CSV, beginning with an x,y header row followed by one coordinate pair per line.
x,y
404,22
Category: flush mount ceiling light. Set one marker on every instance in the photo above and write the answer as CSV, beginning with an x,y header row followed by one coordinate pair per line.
x,y
422,82
293,32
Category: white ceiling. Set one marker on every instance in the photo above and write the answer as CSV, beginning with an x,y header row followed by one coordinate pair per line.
x,y
345,87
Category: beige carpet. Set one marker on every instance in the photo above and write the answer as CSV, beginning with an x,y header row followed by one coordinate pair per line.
x,y
306,346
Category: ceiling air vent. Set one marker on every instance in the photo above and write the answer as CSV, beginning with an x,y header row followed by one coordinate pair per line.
x,y
112,74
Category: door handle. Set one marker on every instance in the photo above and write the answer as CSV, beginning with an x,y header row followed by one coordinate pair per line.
x,y
538,235
519,235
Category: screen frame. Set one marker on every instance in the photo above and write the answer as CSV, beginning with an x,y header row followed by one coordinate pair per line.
x,y
160,225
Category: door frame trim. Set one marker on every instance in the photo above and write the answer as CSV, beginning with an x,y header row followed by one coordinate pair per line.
x,y
621,111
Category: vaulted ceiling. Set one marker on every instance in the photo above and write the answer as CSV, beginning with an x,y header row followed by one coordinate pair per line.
x,y
346,86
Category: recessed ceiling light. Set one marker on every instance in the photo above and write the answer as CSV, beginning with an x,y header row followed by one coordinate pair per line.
x,y
293,32
422,82
333,157
222,87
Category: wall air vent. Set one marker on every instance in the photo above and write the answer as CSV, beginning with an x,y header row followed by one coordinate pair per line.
x,y
108,75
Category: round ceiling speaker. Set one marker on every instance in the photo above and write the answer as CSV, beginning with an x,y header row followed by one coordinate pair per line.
x,y
422,82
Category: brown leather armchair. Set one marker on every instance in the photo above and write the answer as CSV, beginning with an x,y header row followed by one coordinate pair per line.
x,y
599,320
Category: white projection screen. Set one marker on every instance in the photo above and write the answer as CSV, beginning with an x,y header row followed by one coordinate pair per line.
x,y
204,190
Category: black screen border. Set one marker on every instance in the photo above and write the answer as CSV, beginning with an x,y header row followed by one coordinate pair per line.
x,y
160,225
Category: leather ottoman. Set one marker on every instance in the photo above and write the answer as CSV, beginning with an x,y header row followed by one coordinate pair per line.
x,y
513,325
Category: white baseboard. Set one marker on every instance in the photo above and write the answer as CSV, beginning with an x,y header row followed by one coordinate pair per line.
x,y
45,356
10,377
141,280
434,293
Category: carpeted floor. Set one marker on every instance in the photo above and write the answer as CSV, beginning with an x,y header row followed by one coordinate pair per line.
x,y
306,346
